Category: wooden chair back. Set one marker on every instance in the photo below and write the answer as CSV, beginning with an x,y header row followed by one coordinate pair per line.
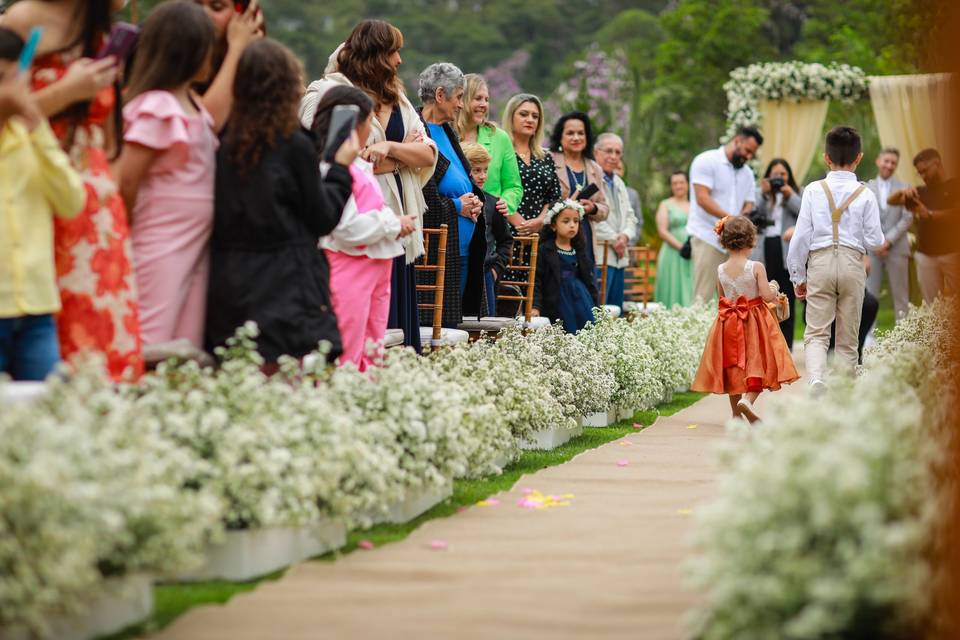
x,y
604,265
438,238
521,272
640,275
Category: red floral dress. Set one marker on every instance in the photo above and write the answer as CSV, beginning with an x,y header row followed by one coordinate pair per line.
x,y
93,254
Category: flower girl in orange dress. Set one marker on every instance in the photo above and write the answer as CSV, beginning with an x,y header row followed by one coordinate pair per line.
x,y
745,351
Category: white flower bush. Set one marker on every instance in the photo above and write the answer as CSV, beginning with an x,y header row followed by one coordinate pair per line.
x,y
90,489
788,81
98,481
827,510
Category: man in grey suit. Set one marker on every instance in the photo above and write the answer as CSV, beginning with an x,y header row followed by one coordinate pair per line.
x,y
634,202
894,258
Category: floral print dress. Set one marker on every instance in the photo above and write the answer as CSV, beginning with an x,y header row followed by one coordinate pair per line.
x,y
93,254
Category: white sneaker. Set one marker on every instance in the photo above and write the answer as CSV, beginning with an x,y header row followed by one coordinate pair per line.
x,y
746,408
818,388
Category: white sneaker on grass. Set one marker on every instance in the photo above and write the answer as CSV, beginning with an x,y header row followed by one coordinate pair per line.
x,y
818,388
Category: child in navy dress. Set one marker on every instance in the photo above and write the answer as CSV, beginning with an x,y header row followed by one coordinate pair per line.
x,y
565,288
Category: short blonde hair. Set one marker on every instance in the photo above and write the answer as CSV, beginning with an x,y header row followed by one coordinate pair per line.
x,y
473,82
475,153
536,142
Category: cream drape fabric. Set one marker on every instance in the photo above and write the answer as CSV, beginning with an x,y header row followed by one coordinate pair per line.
x,y
793,131
908,110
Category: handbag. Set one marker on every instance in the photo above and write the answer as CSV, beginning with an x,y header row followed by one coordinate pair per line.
x,y
686,251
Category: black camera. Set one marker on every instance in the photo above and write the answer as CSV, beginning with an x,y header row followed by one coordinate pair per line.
x,y
776,184
759,220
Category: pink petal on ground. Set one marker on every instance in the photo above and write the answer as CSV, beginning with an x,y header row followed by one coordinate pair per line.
x,y
366,544
461,509
439,545
527,491
637,425
622,463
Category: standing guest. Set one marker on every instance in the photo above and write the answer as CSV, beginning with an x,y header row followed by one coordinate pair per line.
x,y
674,285
402,155
167,172
499,237
451,197
503,172
565,287
93,252
271,208
777,208
36,184
360,251
934,207
572,148
894,256
722,185
620,227
634,197
523,122
839,221
234,31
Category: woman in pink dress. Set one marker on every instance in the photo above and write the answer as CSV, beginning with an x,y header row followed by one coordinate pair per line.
x,y
167,171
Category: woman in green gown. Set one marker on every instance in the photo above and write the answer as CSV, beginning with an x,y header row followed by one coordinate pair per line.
x,y
674,284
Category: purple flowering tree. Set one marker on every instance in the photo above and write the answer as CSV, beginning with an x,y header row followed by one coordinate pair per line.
x,y
502,80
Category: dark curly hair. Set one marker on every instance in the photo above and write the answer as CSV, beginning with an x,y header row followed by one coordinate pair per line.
x,y
161,66
266,97
549,233
738,233
557,134
363,60
335,96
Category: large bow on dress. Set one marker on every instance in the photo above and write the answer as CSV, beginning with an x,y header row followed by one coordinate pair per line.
x,y
733,315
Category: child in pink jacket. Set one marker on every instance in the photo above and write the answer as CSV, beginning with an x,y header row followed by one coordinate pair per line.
x,y
361,249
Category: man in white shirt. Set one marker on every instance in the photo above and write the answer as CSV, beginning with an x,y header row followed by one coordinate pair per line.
x,y
721,184
894,256
839,221
620,227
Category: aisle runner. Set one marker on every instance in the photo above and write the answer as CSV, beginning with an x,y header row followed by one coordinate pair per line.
x,y
608,565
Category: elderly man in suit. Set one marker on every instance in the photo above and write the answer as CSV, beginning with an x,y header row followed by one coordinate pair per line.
x,y
634,197
894,257
620,227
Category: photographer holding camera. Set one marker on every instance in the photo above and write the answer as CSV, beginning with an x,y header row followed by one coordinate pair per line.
x,y
775,215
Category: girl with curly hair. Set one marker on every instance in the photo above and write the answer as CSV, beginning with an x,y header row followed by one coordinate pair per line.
x,y
745,351
271,208
565,288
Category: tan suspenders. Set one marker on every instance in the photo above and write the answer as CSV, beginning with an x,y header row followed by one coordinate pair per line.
x,y
835,211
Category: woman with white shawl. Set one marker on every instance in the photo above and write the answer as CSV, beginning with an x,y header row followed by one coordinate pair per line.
x,y
404,157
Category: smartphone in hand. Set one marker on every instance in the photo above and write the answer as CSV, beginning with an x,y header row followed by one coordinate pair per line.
x,y
343,121
123,39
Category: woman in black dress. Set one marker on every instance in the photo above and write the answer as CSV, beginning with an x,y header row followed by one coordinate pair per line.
x,y
271,207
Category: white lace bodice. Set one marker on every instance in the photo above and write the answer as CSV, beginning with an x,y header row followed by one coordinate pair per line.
x,y
743,285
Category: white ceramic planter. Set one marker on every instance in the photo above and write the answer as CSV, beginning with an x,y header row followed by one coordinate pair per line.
x,y
625,414
416,503
21,392
667,396
248,554
549,438
603,419
113,606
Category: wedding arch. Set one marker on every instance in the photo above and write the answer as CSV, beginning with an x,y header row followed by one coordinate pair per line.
x,y
789,101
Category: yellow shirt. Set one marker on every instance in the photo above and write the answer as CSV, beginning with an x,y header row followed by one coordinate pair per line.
x,y
36,183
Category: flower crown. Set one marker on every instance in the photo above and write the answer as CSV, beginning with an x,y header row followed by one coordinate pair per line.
x,y
560,205
721,223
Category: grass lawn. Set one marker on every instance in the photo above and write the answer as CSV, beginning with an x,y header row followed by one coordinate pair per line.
x,y
174,600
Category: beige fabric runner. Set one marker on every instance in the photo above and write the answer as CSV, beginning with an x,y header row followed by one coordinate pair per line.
x,y
608,566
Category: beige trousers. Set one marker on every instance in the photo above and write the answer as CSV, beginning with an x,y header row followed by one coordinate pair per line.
x,y
938,274
835,285
706,259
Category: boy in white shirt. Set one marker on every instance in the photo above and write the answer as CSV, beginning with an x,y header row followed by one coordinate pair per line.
x,y
839,222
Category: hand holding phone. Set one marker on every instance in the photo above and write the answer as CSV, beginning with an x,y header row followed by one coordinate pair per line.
x,y
123,39
343,121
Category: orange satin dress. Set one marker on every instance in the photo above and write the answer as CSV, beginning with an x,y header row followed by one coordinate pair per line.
x,y
745,350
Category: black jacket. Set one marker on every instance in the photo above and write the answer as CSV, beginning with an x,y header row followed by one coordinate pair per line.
x,y
441,210
264,262
546,293
499,237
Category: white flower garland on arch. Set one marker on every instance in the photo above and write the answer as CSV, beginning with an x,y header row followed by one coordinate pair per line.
x,y
788,81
